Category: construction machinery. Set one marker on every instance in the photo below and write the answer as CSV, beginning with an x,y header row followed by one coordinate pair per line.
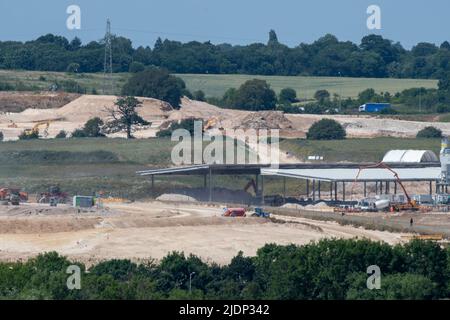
x,y
260,213
12,124
410,204
54,194
13,196
234,212
36,129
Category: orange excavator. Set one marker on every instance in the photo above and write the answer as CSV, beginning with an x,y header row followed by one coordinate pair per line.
x,y
14,196
409,205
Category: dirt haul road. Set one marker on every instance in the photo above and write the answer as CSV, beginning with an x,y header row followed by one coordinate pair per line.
x,y
140,231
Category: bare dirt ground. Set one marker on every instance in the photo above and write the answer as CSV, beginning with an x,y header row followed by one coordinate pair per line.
x,y
145,230
19,111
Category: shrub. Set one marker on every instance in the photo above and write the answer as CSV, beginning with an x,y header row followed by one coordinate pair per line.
x,y
93,128
388,111
199,95
25,135
326,129
322,95
136,67
287,95
429,132
61,135
1,136
78,133
442,108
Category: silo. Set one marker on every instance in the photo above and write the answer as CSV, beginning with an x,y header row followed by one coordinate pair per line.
x,y
445,161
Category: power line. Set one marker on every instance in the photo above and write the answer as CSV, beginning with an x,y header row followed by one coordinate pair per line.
x,y
108,68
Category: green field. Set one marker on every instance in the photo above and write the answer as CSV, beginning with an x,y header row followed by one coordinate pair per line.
x,y
216,85
85,166
356,150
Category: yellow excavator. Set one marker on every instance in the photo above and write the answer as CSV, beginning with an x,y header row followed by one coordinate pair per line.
x,y
36,129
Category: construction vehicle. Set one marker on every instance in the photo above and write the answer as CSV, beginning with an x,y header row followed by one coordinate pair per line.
x,y
410,204
260,213
251,184
54,194
210,124
12,125
13,196
234,212
36,129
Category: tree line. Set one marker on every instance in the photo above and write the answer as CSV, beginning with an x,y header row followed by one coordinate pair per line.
x,y
326,270
374,56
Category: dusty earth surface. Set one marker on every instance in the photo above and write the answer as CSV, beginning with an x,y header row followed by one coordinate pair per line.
x,y
145,230
19,111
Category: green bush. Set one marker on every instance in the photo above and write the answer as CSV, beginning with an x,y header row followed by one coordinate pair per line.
x,y
199,95
326,129
287,95
442,108
429,132
136,67
78,133
1,136
61,135
29,135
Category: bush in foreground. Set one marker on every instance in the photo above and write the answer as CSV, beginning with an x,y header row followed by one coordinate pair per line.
x,y
325,270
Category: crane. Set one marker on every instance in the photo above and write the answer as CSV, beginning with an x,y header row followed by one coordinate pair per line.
x,y
410,205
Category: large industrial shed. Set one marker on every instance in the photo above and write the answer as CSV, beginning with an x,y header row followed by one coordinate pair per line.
x,y
316,175
382,178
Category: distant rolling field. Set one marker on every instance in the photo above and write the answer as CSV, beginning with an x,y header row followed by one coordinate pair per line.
x,y
216,85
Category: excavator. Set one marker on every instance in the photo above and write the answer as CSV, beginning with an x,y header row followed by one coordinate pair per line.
x,y
410,205
36,129
13,196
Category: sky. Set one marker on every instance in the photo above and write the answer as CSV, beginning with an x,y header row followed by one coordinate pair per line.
x,y
230,21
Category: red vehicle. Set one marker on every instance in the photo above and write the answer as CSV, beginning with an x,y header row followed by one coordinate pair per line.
x,y
234,212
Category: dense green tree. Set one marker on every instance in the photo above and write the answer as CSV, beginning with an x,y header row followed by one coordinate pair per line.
x,y
156,83
124,116
254,95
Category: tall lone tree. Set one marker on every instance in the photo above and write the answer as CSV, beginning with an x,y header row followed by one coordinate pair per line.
x,y
124,116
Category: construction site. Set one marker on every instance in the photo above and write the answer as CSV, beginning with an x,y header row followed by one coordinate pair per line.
x,y
398,198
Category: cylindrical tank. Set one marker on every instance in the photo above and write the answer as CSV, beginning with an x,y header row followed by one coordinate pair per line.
x,y
445,160
382,204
